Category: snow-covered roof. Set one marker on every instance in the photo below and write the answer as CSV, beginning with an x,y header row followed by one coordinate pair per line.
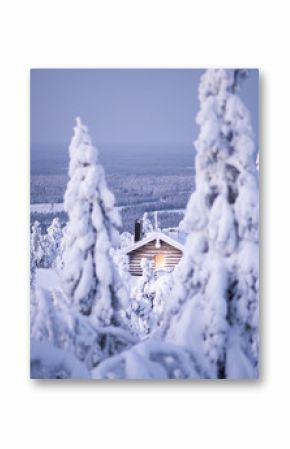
x,y
157,235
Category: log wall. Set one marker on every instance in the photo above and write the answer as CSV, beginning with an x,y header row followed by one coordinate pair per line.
x,y
171,256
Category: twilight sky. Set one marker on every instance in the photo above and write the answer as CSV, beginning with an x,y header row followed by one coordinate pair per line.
x,y
122,106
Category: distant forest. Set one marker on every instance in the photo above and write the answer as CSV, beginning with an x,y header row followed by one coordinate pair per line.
x,y
142,179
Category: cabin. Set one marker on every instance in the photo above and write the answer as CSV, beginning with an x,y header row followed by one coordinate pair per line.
x,y
164,251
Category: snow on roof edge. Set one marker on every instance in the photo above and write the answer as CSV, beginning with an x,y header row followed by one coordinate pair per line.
x,y
154,236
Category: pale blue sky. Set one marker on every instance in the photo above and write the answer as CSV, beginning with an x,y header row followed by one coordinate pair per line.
x,y
122,106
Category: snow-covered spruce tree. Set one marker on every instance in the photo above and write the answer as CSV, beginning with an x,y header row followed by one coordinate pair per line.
x,y
122,263
56,322
147,226
162,288
140,310
52,243
36,249
89,275
214,304
126,239
61,251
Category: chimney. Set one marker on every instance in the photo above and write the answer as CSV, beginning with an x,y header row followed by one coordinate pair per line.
x,y
137,230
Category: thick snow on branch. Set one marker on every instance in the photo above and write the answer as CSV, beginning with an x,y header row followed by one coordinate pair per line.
x,y
152,359
139,312
49,362
56,321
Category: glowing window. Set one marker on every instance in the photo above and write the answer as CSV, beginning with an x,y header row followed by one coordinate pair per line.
x,y
159,261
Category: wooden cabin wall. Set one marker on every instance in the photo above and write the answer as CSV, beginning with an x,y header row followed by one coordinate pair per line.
x,y
171,254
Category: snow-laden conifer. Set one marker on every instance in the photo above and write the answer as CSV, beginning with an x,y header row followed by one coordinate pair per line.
x,y
89,276
36,249
162,288
52,243
140,310
121,261
126,239
147,226
57,322
215,296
